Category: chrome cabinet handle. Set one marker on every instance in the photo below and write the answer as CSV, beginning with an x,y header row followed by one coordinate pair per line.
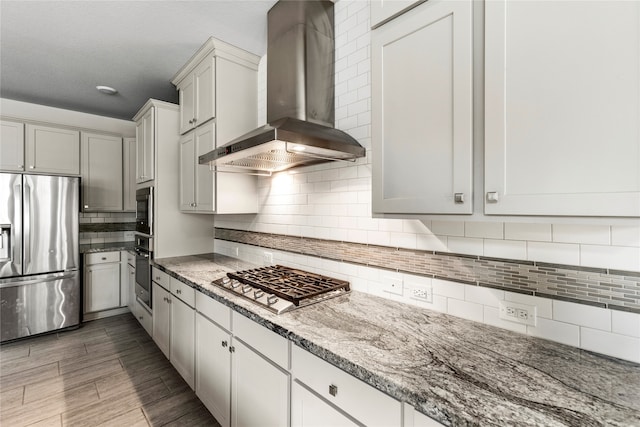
x,y
179,291
32,167
492,197
232,349
224,343
458,197
333,390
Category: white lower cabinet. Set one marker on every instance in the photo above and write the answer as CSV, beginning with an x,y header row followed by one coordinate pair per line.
x,y
309,410
331,385
103,285
174,331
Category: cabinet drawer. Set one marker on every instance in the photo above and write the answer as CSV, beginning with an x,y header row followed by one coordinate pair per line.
x,y
270,344
219,313
131,259
102,257
145,318
161,278
183,291
358,399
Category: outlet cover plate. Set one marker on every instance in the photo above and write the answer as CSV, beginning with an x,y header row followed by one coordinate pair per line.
x,y
267,258
392,284
518,313
420,292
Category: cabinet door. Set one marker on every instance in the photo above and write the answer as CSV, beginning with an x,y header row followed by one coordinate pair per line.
x,y
187,99
101,287
101,172
187,172
562,101
12,146
52,150
161,300
131,281
182,340
383,10
213,369
129,174
309,410
145,147
260,394
422,131
204,78
205,190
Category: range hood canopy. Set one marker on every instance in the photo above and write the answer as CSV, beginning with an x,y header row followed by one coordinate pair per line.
x,y
300,97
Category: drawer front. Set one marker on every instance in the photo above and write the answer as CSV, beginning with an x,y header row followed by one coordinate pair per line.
x,y
219,313
183,291
270,344
131,259
161,278
102,257
145,318
363,402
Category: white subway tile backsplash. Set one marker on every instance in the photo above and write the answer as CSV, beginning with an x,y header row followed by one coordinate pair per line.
x,y
614,257
466,245
534,232
625,235
561,332
557,253
582,315
485,296
448,228
509,249
431,242
403,240
448,289
491,230
492,317
615,345
577,233
465,309
625,323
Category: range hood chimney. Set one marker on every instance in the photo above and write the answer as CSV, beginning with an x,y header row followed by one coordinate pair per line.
x,y
300,97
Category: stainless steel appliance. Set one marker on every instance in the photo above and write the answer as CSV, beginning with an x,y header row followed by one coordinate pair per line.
x,y
281,289
144,211
144,254
300,97
39,254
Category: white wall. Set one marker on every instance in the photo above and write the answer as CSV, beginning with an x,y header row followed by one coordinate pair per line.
x,y
333,201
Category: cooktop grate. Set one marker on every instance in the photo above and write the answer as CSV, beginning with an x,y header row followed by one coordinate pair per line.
x,y
289,283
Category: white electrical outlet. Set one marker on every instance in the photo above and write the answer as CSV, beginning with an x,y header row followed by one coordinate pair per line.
x,y
420,292
267,258
236,251
519,313
392,284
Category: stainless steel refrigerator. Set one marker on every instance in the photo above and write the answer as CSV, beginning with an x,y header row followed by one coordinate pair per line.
x,y
39,254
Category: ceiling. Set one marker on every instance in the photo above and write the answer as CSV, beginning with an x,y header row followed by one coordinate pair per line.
x,y
55,53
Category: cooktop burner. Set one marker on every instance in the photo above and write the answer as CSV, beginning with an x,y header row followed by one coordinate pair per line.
x,y
281,288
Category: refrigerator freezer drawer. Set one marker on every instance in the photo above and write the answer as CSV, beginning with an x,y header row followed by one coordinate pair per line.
x,y
37,304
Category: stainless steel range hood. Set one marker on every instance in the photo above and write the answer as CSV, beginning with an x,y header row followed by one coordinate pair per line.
x,y
300,97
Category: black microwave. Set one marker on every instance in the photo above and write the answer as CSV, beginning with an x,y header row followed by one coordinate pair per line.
x,y
144,211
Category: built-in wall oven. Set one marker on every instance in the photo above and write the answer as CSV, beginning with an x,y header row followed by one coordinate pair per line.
x,y
144,211
144,254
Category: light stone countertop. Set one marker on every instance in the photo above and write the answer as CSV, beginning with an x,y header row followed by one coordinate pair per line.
x,y
106,247
456,371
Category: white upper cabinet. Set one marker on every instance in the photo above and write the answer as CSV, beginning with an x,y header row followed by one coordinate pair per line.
x,y
145,146
12,146
101,172
197,182
52,150
562,108
197,95
129,174
422,121
383,10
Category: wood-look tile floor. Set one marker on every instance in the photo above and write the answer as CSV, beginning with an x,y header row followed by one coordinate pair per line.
x,y
107,372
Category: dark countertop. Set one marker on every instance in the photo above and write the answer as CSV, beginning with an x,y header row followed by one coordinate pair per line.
x,y
456,371
106,247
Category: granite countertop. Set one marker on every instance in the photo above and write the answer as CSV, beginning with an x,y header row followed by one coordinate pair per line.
x,y
106,247
456,371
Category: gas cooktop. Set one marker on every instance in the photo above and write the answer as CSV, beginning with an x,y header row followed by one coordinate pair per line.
x,y
280,289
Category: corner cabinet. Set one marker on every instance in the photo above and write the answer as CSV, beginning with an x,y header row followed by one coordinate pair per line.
x,y
129,174
562,102
12,146
218,98
101,173
422,121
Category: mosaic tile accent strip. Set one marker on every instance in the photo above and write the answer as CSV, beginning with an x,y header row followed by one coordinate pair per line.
x,y
106,227
614,289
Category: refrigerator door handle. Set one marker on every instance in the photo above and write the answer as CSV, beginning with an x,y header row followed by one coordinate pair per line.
x,y
27,226
10,283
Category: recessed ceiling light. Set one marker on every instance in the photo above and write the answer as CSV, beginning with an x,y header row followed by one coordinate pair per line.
x,y
107,90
